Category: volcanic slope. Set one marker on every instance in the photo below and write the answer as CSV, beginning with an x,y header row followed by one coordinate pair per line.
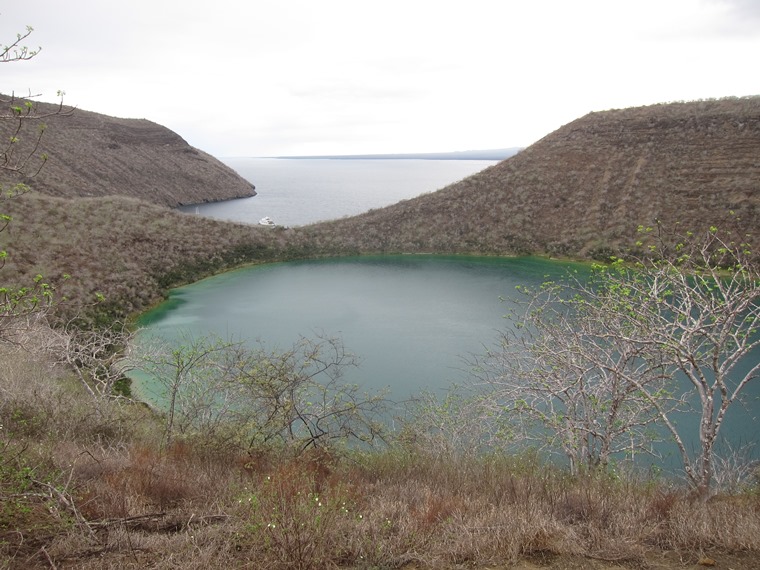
x,y
583,190
91,155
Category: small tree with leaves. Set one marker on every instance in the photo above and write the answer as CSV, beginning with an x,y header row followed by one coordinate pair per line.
x,y
190,375
20,157
16,51
455,424
17,115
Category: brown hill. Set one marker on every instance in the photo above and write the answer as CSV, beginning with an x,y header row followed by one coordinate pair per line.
x,y
97,155
584,189
129,250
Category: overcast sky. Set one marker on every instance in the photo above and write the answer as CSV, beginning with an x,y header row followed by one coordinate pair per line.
x,y
286,77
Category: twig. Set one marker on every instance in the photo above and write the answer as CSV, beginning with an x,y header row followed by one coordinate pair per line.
x,y
209,519
50,560
127,520
68,504
135,520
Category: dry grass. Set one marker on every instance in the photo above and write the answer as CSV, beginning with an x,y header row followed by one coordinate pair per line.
x,y
79,493
74,498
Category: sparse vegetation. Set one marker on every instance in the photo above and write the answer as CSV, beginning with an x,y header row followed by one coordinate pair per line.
x,y
91,155
129,251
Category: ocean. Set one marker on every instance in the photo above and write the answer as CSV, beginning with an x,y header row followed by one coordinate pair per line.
x,y
297,192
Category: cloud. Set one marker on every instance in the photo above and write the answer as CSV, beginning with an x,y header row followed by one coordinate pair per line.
x,y
738,17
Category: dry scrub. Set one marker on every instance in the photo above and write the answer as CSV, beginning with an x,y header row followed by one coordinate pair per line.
x,y
87,494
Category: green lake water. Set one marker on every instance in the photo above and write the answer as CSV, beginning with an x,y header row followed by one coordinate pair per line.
x,y
411,319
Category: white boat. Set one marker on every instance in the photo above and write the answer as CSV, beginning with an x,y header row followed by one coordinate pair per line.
x,y
266,221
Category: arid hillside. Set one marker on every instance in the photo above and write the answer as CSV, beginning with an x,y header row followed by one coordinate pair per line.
x,y
126,249
92,155
583,190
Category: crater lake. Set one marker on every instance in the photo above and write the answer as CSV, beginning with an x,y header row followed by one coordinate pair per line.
x,y
412,320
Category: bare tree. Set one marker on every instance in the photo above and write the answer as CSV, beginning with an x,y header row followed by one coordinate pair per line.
x,y
676,324
229,391
561,384
299,396
694,304
100,357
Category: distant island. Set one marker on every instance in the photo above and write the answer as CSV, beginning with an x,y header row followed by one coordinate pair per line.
x,y
489,154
